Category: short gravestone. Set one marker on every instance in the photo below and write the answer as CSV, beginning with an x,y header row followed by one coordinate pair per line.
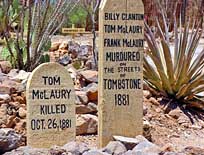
x,y
51,106
121,40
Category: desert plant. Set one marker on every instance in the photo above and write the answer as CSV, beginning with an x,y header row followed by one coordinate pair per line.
x,y
37,21
173,68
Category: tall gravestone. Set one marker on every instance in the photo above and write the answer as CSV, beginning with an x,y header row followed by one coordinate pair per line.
x,y
51,106
120,69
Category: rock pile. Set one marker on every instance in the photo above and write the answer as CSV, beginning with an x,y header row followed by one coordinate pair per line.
x,y
80,55
122,146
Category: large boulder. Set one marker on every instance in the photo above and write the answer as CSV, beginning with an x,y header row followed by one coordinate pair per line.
x,y
9,140
86,124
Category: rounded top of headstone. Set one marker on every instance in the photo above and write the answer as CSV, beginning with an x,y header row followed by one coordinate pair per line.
x,y
48,69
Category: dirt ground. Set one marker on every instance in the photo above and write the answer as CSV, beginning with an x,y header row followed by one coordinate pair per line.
x,y
166,131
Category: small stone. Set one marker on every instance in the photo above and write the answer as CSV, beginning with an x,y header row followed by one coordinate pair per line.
x,y
22,112
76,148
27,150
5,89
65,60
56,150
5,66
5,97
9,140
193,151
54,46
130,152
147,94
90,75
63,46
147,130
20,99
147,148
145,109
115,148
72,71
20,126
92,91
95,152
167,148
176,113
154,101
86,124
129,143
82,95
13,73
86,109
22,75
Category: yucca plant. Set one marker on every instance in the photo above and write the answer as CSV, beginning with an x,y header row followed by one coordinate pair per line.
x,y
176,72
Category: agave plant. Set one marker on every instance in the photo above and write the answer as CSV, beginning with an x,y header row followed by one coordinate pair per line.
x,y
177,72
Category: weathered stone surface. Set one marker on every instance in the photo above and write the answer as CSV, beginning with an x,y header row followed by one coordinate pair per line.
x,y
91,91
3,114
26,150
5,66
22,75
90,75
193,151
95,152
76,148
115,147
86,109
5,97
154,101
129,143
120,75
22,112
147,94
147,128
5,89
86,124
13,72
65,60
146,148
63,46
54,46
9,140
82,95
176,113
50,107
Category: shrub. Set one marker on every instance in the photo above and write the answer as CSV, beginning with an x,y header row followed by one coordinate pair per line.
x,y
178,73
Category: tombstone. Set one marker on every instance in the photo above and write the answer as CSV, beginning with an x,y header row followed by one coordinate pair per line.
x,y
51,107
121,43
